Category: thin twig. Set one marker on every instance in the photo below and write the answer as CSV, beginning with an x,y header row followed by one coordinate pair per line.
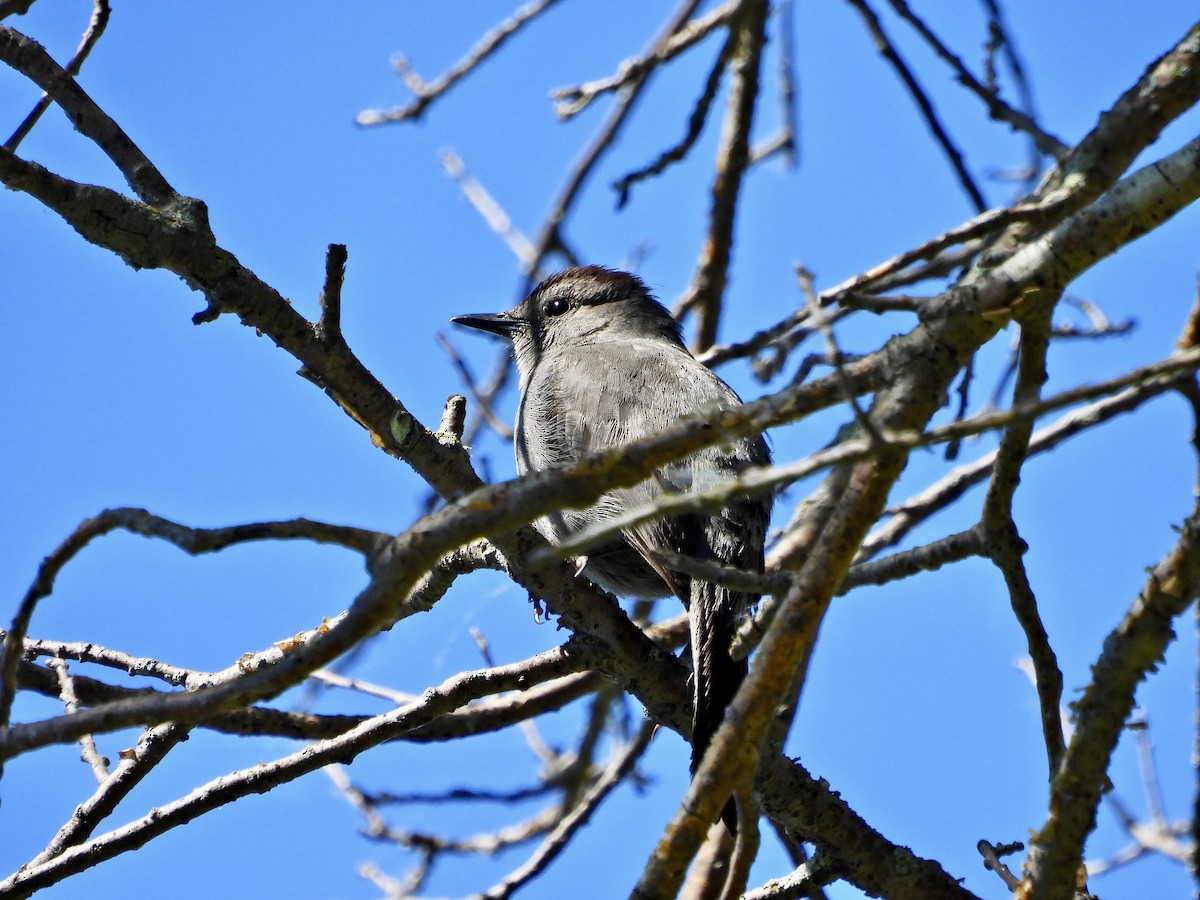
x,y
833,351
695,125
482,398
1004,42
722,353
578,817
925,558
918,508
391,887
502,370
31,59
789,133
999,110
132,766
889,52
570,101
358,685
1002,540
329,326
427,92
88,752
95,28
1156,833
460,795
550,238
578,773
489,208
964,402
90,691
431,845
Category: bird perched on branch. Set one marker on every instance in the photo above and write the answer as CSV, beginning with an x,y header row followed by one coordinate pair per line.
x,y
602,363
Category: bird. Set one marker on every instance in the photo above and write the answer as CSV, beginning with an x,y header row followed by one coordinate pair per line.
x,y
600,363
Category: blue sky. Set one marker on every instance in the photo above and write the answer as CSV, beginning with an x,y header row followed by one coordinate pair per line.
x,y
915,711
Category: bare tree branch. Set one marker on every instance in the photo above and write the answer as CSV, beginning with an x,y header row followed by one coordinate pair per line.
x,y
1046,143
1003,542
733,157
570,101
1131,651
96,26
427,92
695,124
557,839
953,155
1003,265
88,752
449,696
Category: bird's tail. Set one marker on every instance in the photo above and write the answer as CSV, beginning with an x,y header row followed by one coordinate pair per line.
x,y
716,675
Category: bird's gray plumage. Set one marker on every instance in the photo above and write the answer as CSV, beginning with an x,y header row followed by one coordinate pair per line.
x,y
601,363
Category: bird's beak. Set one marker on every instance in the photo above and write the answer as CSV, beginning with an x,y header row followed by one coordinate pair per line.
x,y
496,323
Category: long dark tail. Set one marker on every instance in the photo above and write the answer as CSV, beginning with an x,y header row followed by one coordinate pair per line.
x,y
716,675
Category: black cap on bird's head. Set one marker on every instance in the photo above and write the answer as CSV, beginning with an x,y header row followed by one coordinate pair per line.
x,y
580,305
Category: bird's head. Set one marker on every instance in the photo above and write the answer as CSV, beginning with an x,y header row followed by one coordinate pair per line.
x,y
578,306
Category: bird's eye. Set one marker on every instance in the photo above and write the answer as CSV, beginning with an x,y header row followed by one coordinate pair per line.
x,y
557,307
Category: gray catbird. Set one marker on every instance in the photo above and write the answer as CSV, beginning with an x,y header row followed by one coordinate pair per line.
x,y
602,363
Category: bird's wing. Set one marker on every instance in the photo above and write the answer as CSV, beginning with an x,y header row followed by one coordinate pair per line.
x,y
579,399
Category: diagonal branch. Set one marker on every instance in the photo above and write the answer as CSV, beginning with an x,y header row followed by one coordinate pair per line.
x,y
427,92
556,841
695,125
550,239
30,59
450,695
889,52
1045,142
154,744
96,26
570,101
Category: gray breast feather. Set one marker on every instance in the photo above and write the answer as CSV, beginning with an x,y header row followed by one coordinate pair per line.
x,y
576,402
